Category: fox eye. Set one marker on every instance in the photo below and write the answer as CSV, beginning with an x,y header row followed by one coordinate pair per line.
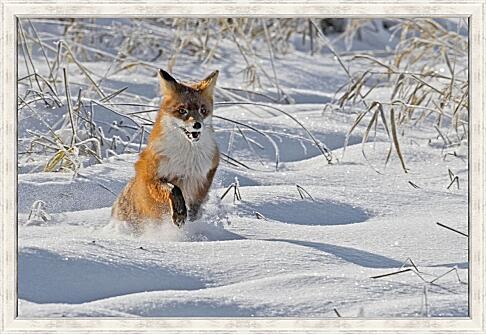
x,y
182,111
203,111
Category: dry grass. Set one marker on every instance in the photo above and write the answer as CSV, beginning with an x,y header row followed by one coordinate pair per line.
x,y
421,88
424,82
79,139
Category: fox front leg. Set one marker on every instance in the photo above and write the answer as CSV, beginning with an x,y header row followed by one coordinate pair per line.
x,y
195,212
195,209
177,204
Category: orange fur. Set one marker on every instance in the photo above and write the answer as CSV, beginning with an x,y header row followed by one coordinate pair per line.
x,y
148,195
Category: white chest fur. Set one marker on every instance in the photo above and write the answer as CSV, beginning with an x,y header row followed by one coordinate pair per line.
x,y
189,162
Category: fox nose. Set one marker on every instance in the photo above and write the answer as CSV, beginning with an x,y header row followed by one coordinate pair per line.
x,y
197,125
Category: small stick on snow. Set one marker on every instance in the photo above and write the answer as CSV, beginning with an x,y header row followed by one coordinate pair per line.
x,y
426,302
141,139
409,260
452,229
446,273
456,180
401,271
260,216
337,313
114,94
420,276
391,274
444,138
69,106
413,185
232,161
303,191
236,191
227,190
451,174
237,194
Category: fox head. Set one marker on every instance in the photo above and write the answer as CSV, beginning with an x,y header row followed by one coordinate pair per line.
x,y
187,108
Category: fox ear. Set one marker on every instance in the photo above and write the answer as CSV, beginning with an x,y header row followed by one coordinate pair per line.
x,y
167,83
207,85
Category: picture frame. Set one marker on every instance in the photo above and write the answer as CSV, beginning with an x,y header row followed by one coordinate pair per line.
x,y
475,10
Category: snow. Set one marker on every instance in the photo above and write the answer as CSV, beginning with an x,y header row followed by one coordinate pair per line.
x,y
272,253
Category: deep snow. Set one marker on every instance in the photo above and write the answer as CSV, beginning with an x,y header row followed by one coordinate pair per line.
x,y
272,253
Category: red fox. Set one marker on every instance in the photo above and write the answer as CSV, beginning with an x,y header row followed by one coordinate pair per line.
x,y
174,172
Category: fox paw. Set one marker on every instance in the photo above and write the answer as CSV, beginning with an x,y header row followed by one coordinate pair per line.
x,y
194,213
179,210
179,219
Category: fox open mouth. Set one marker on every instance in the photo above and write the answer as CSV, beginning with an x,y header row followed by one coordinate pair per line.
x,y
193,136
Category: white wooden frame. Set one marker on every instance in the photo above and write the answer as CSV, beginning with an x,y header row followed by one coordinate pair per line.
x,y
10,10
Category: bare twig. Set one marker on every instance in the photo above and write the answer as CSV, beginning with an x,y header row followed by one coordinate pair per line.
x,y
452,229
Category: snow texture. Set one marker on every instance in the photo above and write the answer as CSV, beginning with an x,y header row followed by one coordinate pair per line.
x,y
274,253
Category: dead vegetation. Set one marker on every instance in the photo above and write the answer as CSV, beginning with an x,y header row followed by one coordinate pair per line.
x,y
424,79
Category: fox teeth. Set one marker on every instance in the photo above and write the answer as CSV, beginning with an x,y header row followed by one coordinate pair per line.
x,y
192,136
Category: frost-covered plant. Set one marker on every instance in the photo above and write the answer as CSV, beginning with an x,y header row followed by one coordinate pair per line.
x,y
424,73
38,213
424,82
